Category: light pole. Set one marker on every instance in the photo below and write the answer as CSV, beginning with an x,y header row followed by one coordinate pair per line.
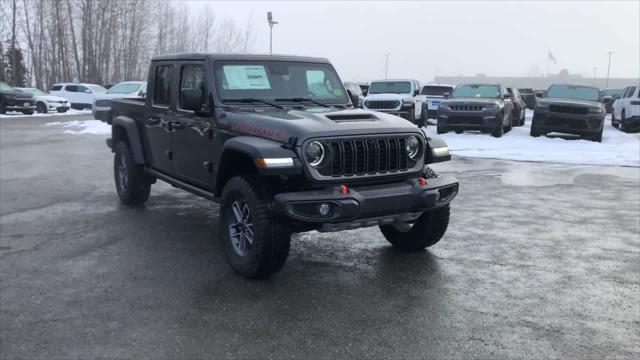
x,y
271,23
595,78
386,66
609,66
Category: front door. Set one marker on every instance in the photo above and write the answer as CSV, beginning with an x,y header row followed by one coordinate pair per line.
x,y
158,121
194,135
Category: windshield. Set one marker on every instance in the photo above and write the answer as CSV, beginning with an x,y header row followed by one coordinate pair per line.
x,y
436,90
271,80
33,91
477,91
612,92
97,89
573,92
124,88
390,87
5,87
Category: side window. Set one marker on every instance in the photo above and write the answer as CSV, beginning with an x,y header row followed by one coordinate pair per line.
x,y
71,88
192,78
81,88
162,85
632,90
624,93
56,88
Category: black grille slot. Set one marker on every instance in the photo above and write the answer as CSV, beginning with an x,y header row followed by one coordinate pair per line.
x,y
351,117
466,107
382,104
360,156
465,120
568,109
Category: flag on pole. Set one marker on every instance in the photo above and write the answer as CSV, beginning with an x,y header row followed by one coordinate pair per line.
x,y
552,58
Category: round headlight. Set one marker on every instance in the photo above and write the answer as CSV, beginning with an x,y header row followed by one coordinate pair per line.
x,y
314,153
412,147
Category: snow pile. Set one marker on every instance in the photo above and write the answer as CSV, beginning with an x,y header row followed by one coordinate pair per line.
x,y
83,127
617,148
14,114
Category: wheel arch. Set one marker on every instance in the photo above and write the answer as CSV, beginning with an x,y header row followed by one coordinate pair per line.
x,y
124,128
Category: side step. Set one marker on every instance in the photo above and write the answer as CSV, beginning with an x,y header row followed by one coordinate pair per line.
x,y
181,184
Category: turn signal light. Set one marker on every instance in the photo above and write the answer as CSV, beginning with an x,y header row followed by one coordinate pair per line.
x,y
422,181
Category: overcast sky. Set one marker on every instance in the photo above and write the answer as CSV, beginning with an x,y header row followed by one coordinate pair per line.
x,y
450,38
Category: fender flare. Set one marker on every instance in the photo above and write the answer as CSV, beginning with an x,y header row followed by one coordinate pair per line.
x,y
129,127
255,147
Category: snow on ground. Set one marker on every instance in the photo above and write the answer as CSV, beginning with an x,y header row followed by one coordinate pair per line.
x,y
77,127
617,147
13,114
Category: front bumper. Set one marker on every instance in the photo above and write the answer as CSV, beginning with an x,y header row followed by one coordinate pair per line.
x,y
578,124
102,113
467,120
13,104
365,206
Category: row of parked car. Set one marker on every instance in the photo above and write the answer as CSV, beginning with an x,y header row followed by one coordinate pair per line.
x,y
496,108
64,96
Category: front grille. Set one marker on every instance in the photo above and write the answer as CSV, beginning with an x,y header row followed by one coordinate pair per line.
x,y
103,102
466,107
352,157
465,120
382,104
568,109
555,122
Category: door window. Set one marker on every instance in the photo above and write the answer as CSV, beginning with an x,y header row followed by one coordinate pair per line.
x,y
319,86
71,88
56,88
631,91
192,77
162,85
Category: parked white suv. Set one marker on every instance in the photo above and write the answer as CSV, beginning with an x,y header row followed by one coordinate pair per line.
x,y
626,110
81,96
46,102
398,97
432,95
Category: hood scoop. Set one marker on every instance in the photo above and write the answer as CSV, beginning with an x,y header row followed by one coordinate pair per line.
x,y
351,117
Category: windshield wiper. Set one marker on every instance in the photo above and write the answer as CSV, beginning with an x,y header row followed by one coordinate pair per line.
x,y
252,100
301,99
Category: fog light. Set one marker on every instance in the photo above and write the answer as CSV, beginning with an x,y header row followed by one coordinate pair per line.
x,y
324,209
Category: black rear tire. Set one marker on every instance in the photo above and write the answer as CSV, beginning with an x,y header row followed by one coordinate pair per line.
x,y
623,125
428,229
441,130
3,109
268,249
132,184
613,120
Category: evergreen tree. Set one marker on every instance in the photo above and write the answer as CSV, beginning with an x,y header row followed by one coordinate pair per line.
x,y
14,73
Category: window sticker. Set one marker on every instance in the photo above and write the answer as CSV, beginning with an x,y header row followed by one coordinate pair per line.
x,y
246,77
337,92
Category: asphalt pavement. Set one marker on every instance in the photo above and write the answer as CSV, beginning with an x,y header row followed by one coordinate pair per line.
x,y
540,261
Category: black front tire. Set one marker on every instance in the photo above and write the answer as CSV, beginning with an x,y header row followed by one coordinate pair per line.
x,y
597,138
268,249
3,109
499,130
132,184
613,120
441,129
623,125
41,108
428,229
28,112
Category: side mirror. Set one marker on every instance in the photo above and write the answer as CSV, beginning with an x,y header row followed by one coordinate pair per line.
x,y
353,97
416,92
446,95
506,96
191,99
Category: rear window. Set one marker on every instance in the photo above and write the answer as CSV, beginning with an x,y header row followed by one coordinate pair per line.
x,y
162,85
436,90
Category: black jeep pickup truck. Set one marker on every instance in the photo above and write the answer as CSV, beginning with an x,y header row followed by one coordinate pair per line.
x,y
14,100
570,109
277,142
484,107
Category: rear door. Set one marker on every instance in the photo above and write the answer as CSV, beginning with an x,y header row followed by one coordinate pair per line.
x,y
193,133
71,93
158,117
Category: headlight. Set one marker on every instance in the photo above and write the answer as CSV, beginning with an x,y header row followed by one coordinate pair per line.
x,y
596,110
490,106
314,153
407,102
412,147
443,105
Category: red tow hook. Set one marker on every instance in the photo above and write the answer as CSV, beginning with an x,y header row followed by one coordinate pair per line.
x,y
422,181
343,189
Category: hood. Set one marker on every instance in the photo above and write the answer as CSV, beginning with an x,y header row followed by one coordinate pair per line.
x,y
16,94
116,96
570,102
281,125
387,96
471,100
51,98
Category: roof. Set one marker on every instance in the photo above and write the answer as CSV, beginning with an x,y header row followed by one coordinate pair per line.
x,y
241,56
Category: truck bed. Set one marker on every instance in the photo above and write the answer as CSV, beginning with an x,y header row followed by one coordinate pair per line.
x,y
133,108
